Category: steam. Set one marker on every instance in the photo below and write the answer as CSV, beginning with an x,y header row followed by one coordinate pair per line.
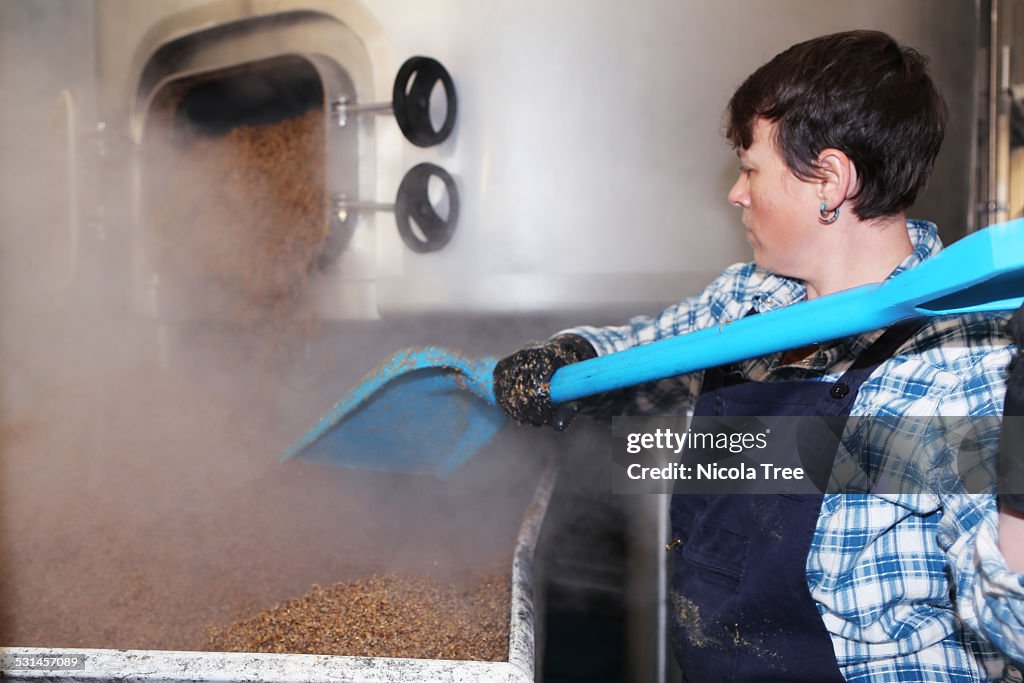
x,y
141,414
141,499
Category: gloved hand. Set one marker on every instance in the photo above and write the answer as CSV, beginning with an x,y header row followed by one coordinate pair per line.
x,y
522,381
1011,439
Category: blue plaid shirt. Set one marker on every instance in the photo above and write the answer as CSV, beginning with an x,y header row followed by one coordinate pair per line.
x,y
911,587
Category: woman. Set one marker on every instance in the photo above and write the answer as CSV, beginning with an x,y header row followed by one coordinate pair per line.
x,y
836,136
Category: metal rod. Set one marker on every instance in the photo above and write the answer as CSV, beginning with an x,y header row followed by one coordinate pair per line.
x,y
354,108
363,206
342,109
342,203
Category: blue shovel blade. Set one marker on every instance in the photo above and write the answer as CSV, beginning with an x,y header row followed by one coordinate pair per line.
x,y
424,410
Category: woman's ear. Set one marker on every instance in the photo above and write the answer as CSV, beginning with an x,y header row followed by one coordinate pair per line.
x,y
838,177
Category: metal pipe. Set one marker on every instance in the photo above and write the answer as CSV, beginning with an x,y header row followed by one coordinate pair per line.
x,y
1002,155
993,77
342,204
342,109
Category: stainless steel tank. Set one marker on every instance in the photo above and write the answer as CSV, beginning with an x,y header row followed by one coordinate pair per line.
x,y
586,153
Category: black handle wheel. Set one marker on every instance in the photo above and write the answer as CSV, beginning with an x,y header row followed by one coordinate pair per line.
x,y
410,101
413,205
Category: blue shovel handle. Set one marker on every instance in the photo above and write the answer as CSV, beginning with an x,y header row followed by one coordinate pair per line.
x,y
981,272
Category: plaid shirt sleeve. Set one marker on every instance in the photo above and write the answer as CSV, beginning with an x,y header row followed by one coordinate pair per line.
x,y
912,586
726,299
989,597
994,604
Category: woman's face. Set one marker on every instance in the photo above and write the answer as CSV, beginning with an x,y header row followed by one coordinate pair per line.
x,y
780,211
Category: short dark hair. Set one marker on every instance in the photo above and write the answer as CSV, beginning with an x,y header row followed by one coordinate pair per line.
x,y
860,92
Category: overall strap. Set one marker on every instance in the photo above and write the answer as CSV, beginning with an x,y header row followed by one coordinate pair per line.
x,y
741,607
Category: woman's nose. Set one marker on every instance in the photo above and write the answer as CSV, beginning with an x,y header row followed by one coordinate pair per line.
x,y
739,195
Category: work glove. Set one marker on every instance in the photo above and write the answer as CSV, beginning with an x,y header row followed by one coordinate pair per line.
x,y
1011,439
522,381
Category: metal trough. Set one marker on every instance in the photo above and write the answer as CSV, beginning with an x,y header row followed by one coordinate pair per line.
x,y
158,666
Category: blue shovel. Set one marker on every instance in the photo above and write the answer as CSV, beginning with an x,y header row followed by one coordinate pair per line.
x,y
429,410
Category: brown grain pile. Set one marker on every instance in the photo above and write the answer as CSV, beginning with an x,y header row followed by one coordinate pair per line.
x,y
386,615
239,220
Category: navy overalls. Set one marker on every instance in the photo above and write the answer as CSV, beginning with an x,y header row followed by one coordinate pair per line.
x,y
740,604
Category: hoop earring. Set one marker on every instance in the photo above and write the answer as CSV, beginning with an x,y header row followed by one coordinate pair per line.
x,y
823,214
